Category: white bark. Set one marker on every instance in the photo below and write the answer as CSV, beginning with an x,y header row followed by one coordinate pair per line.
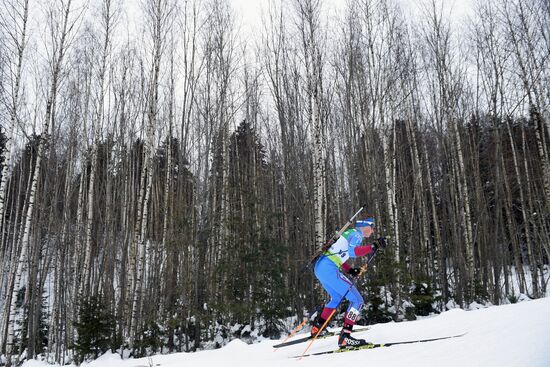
x,y
309,11
76,253
6,168
158,14
390,167
439,262
54,334
514,233
526,211
56,74
524,51
14,253
97,124
142,243
319,174
22,260
20,44
523,201
86,270
465,208
4,225
168,179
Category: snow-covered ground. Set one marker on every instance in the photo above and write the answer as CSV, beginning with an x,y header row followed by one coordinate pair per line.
x,y
500,336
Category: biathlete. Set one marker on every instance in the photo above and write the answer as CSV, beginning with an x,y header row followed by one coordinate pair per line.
x,y
330,269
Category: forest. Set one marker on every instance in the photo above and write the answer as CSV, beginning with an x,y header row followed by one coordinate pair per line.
x,y
165,178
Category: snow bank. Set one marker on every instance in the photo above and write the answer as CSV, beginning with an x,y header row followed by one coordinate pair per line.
x,y
500,336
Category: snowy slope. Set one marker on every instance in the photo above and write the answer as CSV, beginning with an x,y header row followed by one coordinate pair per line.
x,y
500,336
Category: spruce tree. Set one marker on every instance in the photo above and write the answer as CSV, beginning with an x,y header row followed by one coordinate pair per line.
x,y
95,329
423,298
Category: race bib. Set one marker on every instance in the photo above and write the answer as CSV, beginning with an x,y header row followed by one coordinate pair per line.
x,y
353,314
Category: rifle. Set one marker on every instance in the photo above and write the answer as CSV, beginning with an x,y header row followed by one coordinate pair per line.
x,y
330,242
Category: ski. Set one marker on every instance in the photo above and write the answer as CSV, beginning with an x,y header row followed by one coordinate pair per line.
x,y
305,339
377,345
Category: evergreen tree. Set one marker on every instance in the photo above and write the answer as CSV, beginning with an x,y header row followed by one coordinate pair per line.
x,y
272,293
422,297
95,329
379,297
150,340
375,309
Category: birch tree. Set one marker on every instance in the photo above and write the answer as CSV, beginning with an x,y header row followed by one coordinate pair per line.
x,y
15,32
309,25
61,26
172,175
108,18
528,35
159,20
284,74
445,80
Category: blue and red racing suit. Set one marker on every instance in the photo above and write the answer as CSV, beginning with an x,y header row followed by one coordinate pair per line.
x,y
330,267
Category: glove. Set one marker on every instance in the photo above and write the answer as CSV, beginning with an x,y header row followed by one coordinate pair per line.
x,y
380,243
354,271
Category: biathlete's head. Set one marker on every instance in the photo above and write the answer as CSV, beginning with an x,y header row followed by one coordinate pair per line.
x,y
366,226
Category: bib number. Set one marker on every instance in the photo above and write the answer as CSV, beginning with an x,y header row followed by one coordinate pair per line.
x,y
353,314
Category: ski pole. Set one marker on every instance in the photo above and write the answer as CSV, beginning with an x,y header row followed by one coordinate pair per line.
x,y
306,319
332,240
294,331
361,271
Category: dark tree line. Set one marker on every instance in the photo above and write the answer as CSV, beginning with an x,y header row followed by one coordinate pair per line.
x,y
164,190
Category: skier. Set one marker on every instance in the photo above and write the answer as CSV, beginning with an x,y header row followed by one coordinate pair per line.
x,y
329,269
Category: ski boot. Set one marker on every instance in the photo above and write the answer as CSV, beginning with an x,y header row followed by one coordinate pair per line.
x,y
347,341
318,324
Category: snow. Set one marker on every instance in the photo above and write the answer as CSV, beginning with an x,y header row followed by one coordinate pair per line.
x,y
499,336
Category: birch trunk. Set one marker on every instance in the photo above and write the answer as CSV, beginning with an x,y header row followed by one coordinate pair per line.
x,y
75,255
440,266
5,173
21,44
189,74
526,211
141,243
523,201
309,12
420,193
390,186
168,182
543,157
20,206
55,332
465,211
123,279
512,228
532,66
96,128
319,159
157,16
56,71
525,60
86,269
319,176
25,241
